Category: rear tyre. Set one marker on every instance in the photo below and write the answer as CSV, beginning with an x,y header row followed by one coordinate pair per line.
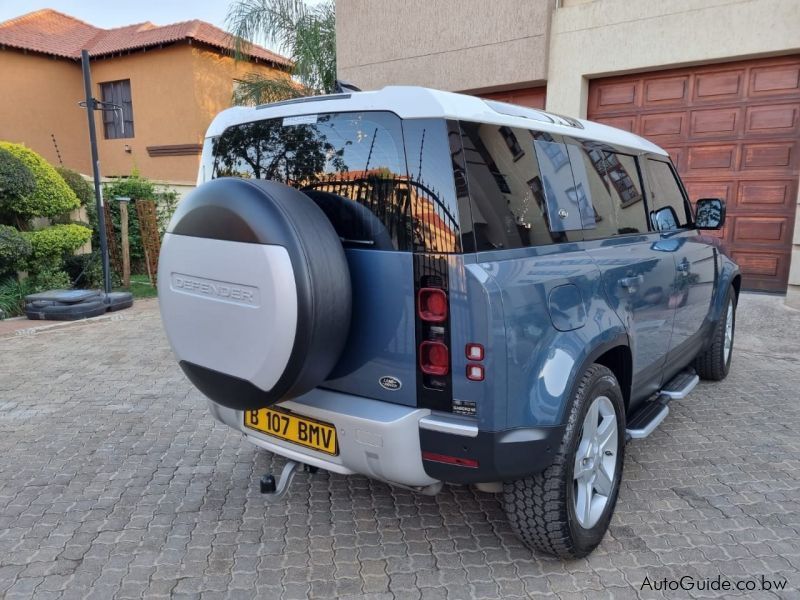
x,y
566,509
715,362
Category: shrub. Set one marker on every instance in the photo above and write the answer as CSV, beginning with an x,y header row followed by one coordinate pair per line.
x,y
83,189
50,279
12,295
135,187
52,244
50,197
86,271
16,182
15,249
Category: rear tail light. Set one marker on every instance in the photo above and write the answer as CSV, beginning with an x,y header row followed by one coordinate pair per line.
x,y
475,372
450,460
432,305
434,358
474,352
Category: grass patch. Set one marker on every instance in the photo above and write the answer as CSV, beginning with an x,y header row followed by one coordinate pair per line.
x,y
140,287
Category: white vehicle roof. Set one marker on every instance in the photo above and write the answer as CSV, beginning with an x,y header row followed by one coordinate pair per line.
x,y
411,102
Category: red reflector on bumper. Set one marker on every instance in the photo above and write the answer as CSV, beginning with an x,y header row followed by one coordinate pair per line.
x,y
450,460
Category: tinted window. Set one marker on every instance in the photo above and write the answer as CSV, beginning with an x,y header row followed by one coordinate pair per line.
x,y
430,170
611,183
344,158
566,198
505,186
667,205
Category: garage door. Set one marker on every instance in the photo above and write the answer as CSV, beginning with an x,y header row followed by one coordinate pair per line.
x,y
732,131
531,97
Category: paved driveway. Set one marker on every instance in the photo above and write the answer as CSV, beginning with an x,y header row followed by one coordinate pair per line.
x,y
115,481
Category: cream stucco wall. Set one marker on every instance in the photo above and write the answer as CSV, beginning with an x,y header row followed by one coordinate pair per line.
x,y
604,37
446,44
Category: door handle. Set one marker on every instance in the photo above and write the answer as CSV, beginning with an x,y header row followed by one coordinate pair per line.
x,y
631,283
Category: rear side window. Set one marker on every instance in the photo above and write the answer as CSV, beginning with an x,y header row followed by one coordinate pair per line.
x,y
667,202
611,182
354,166
505,186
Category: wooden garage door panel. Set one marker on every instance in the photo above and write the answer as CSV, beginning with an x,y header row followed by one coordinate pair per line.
x,y
716,87
779,119
719,122
774,155
715,157
757,263
711,189
759,230
733,131
665,90
533,97
626,123
765,195
775,80
663,126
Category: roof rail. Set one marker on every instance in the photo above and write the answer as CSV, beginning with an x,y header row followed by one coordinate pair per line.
x,y
513,110
304,99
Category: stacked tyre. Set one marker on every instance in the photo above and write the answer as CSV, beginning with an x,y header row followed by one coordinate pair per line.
x,y
72,305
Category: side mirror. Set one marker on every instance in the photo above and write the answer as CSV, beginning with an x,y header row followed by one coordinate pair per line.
x,y
710,213
664,219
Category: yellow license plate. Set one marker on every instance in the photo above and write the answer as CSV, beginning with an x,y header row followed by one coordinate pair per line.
x,y
293,428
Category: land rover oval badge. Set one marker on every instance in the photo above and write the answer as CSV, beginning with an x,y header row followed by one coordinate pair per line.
x,y
390,383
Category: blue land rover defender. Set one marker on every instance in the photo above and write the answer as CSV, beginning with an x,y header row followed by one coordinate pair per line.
x,y
428,288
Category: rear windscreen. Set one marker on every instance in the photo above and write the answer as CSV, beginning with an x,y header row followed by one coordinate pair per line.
x,y
384,183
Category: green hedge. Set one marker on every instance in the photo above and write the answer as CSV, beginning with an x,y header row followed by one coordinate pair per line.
x,y
52,244
82,188
15,249
16,182
51,196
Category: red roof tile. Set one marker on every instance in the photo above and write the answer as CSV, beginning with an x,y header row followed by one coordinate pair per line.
x,y
51,32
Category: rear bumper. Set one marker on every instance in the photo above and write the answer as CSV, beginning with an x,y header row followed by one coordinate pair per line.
x,y
377,439
386,441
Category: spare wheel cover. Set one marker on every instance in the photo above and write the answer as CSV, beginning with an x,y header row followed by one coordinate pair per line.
x,y
254,291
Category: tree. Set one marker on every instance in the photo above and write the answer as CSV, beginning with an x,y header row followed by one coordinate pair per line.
x,y
306,34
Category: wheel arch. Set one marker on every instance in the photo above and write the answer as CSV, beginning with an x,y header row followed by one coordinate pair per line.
x,y
614,353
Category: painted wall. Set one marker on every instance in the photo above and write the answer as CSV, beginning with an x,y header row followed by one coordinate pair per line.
x,y
176,91
604,37
39,97
447,44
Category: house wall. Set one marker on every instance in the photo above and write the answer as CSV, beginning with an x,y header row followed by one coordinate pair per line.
x,y
40,97
604,37
176,91
448,44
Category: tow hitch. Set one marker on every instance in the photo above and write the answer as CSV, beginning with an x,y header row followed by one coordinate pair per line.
x,y
275,491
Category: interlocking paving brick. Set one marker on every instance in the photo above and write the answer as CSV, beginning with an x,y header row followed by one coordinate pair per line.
x,y
116,482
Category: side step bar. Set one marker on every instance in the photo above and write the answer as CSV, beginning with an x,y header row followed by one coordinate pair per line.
x,y
680,386
646,419
652,413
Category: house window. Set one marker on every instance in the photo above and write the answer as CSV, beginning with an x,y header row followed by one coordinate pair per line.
x,y
117,124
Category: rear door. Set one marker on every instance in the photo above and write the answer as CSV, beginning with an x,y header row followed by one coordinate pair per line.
x,y
387,211
695,257
638,272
